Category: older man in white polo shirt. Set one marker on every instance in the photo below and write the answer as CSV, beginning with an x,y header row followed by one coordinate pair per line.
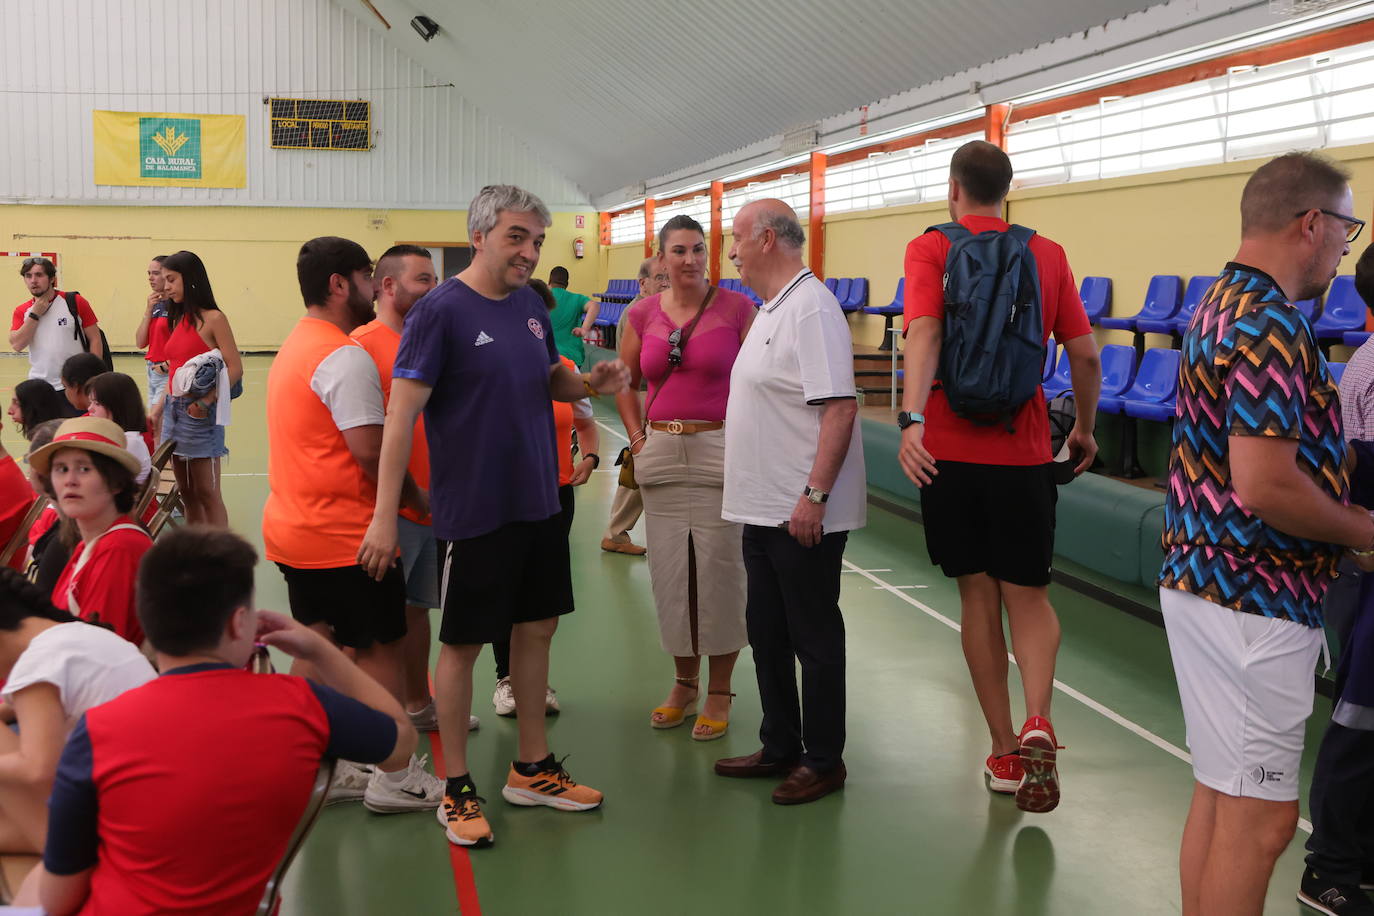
x,y
794,476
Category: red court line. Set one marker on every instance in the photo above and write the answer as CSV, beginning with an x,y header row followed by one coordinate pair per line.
x,y
463,879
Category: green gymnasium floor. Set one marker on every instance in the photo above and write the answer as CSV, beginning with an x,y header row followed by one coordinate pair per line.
x,y
915,831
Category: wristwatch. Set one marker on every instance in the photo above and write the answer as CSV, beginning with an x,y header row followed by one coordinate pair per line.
x,y
816,496
905,419
596,459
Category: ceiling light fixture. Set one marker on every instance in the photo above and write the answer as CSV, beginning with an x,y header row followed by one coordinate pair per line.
x,y
425,27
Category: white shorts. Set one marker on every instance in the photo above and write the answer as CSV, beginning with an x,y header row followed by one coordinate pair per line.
x,y
1246,683
420,561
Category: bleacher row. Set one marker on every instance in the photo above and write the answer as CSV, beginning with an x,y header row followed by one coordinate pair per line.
x,y
1167,307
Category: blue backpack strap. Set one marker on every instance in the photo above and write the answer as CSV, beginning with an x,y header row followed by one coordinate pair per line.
x,y
1022,234
952,231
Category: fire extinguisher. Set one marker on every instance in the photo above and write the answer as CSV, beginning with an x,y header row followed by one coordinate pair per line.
x,y
579,248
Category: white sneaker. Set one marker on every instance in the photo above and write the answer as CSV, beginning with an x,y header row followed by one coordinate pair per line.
x,y
474,723
350,783
551,706
420,790
504,698
424,719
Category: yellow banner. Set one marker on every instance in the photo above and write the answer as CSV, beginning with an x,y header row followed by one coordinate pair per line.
x,y
170,150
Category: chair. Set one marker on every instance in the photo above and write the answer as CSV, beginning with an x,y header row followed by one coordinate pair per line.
x,y
830,283
1118,369
842,290
1156,381
1096,293
1178,323
858,295
889,311
21,534
161,455
1051,351
1354,338
318,793
1162,298
1345,311
1062,379
1309,308
169,504
1337,371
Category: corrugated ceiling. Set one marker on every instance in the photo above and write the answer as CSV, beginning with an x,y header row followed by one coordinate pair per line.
x,y
613,91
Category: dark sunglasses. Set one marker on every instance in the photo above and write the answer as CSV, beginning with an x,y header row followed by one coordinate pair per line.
x,y
1353,226
675,341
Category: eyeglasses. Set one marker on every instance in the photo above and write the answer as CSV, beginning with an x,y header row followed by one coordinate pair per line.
x,y
675,341
1353,226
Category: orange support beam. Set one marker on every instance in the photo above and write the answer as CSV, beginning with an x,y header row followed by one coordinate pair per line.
x,y
995,125
815,230
717,230
649,228
605,230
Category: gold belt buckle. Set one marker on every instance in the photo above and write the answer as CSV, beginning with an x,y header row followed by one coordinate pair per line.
x,y
675,427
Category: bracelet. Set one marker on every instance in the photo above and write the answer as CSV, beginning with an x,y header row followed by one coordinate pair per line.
x,y
587,384
638,437
596,459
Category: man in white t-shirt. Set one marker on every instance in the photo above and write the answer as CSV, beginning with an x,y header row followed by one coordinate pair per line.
x,y
45,325
794,476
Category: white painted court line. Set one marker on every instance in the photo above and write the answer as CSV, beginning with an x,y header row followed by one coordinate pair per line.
x,y
614,432
1059,685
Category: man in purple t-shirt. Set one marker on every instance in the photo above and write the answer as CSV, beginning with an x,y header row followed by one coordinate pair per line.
x,y
477,355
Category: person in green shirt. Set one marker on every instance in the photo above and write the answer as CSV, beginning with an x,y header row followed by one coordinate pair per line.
x,y
569,324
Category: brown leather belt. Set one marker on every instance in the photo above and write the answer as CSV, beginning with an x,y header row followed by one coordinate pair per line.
x,y
678,428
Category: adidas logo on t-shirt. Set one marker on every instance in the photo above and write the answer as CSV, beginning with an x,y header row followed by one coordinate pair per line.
x,y
483,339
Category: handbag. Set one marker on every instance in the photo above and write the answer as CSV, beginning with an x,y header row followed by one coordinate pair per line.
x,y
626,459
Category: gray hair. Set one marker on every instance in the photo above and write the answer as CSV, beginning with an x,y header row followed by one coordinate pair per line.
x,y
786,228
487,206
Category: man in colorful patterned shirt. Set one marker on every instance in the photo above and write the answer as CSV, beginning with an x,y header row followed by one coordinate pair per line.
x,y
1256,516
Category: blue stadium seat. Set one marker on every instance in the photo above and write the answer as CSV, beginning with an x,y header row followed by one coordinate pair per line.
x,y
1337,371
858,295
842,288
1308,307
1061,381
1096,293
890,311
1156,383
1355,338
830,283
1118,369
609,314
1051,350
1345,310
1162,298
1192,295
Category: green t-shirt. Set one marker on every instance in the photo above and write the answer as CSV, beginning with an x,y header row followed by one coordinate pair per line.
x,y
566,316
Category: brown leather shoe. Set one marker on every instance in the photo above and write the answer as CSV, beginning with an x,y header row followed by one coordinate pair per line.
x,y
610,545
806,785
753,765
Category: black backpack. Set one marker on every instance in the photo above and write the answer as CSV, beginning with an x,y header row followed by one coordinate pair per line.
x,y
106,355
992,358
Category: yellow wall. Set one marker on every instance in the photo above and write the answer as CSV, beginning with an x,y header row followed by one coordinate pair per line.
x,y
1185,222
249,252
621,263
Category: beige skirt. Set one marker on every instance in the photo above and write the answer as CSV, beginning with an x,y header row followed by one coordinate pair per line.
x,y
695,560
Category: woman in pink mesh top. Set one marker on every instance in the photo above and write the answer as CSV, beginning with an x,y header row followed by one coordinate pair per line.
x,y
684,342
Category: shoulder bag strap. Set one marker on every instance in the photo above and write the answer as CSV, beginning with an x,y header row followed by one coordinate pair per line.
x,y
86,550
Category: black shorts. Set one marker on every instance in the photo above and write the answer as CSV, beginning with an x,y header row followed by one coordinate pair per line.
x,y
519,573
991,518
358,608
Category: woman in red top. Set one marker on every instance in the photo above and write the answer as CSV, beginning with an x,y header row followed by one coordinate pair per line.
x,y
92,474
198,326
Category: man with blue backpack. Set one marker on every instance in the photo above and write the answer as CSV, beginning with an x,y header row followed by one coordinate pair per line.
x,y
982,299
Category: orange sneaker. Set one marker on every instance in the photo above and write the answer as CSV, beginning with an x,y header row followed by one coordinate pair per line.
x,y
1039,788
463,821
551,786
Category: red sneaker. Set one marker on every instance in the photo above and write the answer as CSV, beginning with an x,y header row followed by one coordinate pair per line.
x,y
1039,788
1004,773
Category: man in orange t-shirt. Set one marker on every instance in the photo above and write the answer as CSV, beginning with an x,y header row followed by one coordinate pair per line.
x,y
988,492
404,273
324,432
